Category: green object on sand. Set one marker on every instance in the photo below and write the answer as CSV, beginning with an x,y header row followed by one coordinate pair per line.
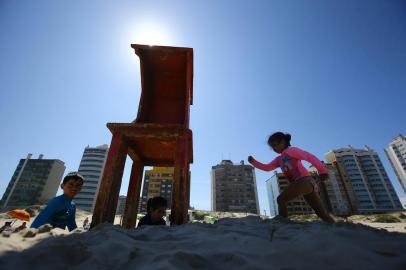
x,y
210,219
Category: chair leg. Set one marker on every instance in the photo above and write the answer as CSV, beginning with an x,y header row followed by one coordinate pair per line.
x,y
187,188
186,181
177,211
133,196
107,198
179,193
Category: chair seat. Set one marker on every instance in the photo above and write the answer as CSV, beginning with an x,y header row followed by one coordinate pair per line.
x,y
154,144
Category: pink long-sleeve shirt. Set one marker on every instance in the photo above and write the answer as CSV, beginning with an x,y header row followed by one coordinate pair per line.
x,y
290,163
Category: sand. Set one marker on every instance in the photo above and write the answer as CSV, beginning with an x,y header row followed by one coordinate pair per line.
x,y
17,241
231,243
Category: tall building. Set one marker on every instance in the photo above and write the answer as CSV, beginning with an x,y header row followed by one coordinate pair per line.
x,y
234,188
331,193
35,181
396,153
365,177
334,191
91,168
297,206
271,189
157,182
121,205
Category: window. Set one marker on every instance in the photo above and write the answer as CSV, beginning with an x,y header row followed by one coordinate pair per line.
x,y
91,166
92,160
83,199
90,171
86,193
89,187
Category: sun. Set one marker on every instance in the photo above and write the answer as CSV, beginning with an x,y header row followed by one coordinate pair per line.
x,y
151,34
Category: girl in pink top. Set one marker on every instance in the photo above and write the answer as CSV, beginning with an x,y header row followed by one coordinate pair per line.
x,y
301,182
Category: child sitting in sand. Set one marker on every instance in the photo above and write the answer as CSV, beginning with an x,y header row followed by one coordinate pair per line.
x,y
6,227
156,209
21,227
301,182
86,225
61,210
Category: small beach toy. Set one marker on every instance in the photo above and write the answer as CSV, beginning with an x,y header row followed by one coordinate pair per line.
x,y
19,214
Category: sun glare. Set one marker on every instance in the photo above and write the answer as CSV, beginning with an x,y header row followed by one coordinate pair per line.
x,y
151,35
145,33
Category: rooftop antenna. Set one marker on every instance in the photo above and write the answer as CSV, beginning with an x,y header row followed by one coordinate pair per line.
x,y
368,148
17,179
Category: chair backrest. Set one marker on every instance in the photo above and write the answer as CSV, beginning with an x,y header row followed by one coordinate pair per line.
x,y
166,84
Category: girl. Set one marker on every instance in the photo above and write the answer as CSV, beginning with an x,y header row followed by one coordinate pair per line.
x,y
301,182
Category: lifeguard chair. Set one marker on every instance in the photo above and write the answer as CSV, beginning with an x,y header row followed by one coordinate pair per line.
x,y
160,135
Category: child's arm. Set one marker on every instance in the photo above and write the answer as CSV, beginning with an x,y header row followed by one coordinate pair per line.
x,y
72,222
265,167
303,155
45,216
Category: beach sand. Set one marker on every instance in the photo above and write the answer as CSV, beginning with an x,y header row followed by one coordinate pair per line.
x,y
231,243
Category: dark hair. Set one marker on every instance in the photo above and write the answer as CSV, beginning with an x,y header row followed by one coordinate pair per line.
x,y
155,203
279,136
72,175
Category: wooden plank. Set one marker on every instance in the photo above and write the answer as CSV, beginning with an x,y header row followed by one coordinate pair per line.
x,y
133,196
178,211
107,198
177,204
134,155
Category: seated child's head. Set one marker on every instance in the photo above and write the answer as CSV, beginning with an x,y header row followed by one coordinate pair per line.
x,y
72,183
279,141
156,208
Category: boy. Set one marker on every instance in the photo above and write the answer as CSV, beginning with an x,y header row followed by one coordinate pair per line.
x,y
60,211
156,209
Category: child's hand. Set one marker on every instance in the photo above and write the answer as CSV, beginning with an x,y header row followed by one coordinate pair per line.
x,y
250,159
323,177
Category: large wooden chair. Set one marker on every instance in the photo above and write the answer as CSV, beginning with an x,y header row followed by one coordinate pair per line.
x,y
160,135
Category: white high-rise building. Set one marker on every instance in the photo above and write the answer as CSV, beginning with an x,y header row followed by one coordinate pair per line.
x,y
365,179
91,168
396,153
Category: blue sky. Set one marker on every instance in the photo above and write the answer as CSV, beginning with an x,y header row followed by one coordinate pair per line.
x,y
332,73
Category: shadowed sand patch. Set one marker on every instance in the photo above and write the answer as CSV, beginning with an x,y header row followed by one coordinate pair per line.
x,y
231,243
